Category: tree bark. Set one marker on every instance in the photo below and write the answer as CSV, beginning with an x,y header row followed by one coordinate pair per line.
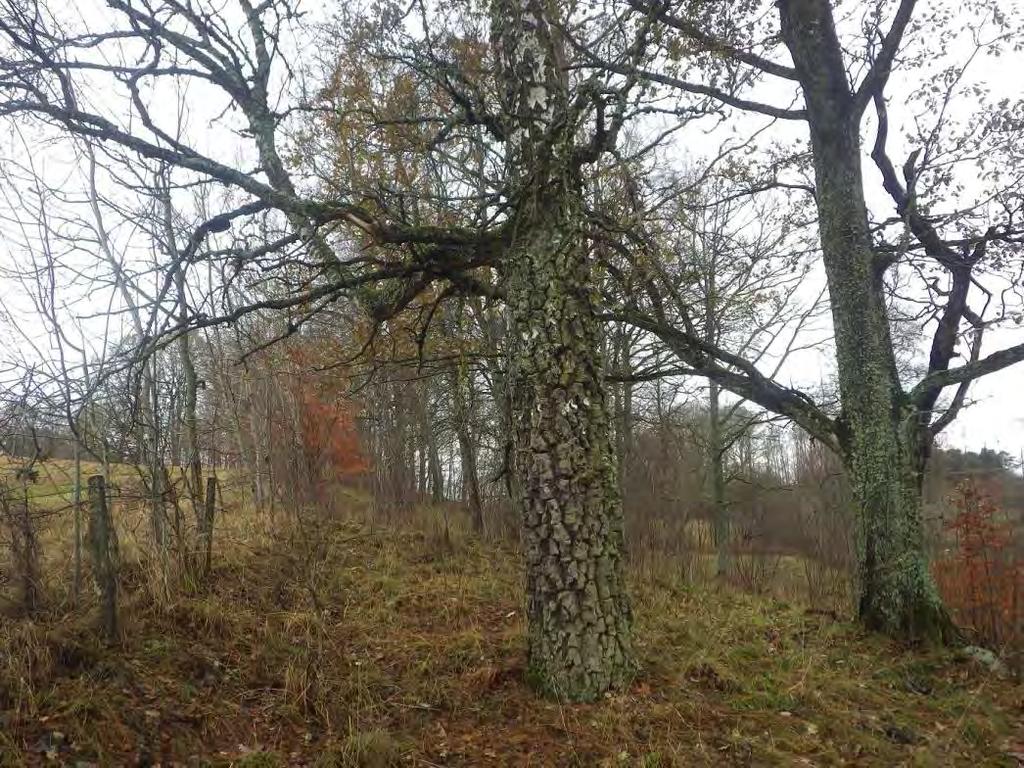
x,y
193,459
623,405
467,451
103,551
76,588
433,458
880,434
716,483
207,524
715,440
572,519
577,607
25,547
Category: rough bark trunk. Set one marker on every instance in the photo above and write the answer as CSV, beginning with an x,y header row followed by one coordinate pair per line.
x,y
577,607
880,437
572,521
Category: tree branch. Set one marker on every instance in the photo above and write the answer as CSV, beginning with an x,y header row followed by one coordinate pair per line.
x,y
874,82
969,372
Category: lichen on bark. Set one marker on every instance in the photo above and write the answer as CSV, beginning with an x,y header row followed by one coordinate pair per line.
x,y
577,606
881,435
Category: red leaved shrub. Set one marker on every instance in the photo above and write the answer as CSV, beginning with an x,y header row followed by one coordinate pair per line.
x,y
981,573
330,441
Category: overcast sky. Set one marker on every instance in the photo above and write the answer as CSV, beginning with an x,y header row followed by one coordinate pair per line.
x,y
995,420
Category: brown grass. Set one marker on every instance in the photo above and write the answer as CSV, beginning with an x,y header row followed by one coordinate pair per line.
x,y
415,657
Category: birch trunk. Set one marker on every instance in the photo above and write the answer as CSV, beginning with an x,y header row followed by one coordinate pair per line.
x,y
578,611
716,483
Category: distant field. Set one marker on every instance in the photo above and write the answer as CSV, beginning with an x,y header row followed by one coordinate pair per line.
x,y
54,486
51,498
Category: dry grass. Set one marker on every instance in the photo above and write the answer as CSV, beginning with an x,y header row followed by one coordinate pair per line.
x,y
415,657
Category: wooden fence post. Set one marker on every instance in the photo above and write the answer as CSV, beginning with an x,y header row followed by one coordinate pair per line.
x,y
102,542
15,514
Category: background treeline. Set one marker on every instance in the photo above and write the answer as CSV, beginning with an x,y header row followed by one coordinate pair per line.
x,y
294,437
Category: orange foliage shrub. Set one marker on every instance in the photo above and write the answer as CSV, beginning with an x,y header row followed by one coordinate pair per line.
x,y
981,575
329,437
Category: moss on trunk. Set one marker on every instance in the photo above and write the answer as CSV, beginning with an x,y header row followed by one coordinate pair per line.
x,y
881,437
579,616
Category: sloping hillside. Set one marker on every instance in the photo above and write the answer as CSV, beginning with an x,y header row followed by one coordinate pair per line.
x,y
390,649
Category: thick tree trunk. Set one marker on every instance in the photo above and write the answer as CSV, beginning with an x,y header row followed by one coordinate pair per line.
x,y
897,593
879,430
572,520
577,608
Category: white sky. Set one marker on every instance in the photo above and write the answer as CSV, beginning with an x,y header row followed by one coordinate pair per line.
x,y
995,420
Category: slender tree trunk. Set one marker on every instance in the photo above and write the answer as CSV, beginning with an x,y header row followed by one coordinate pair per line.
x,y
267,434
715,442
206,526
103,551
881,438
26,548
577,607
190,422
158,507
434,461
626,427
623,402
494,328
467,451
77,503
716,483
260,489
